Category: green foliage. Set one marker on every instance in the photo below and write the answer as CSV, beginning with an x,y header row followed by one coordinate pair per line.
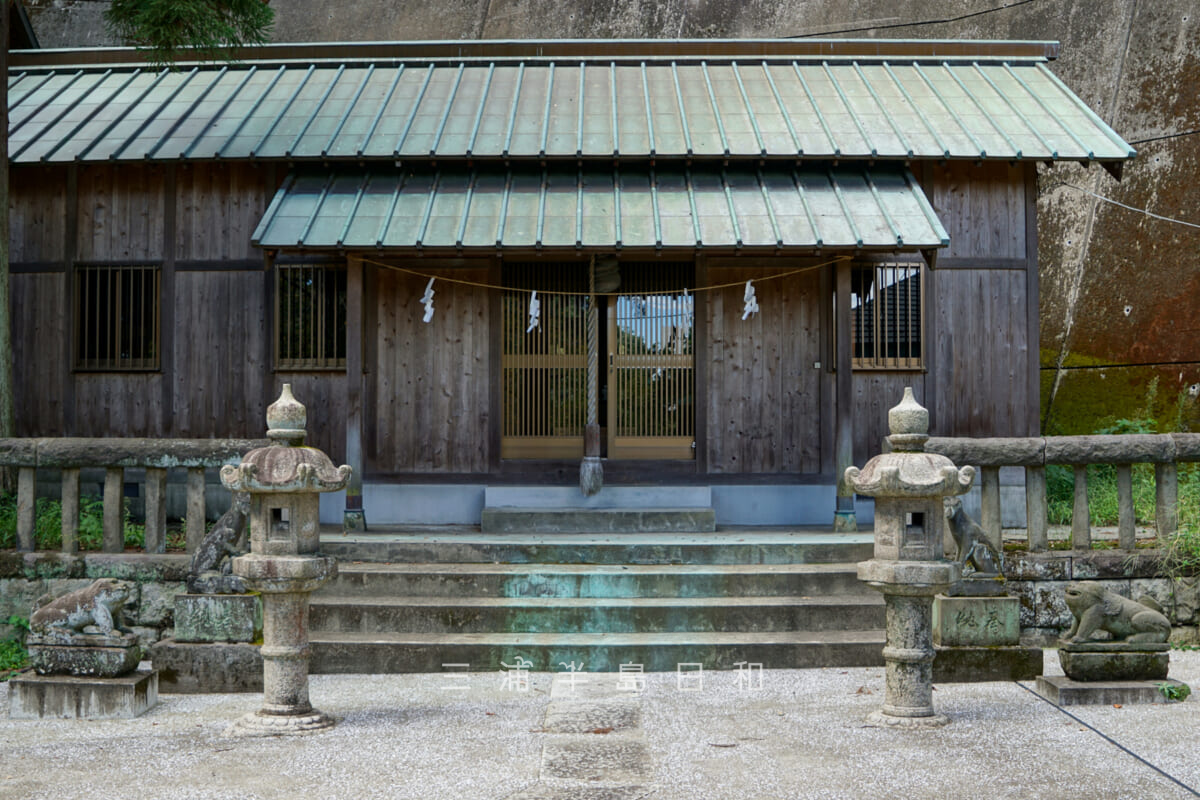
x,y
170,29
48,524
1174,692
13,655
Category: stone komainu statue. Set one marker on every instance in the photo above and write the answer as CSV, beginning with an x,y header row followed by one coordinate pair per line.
x,y
1097,609
93,609
210,569
973,545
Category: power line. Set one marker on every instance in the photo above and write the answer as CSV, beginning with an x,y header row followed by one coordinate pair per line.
x,y
1165,136
1125,206
913,24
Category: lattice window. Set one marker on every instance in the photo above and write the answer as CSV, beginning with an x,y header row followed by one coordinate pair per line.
x,y
887,304
117,317
310,316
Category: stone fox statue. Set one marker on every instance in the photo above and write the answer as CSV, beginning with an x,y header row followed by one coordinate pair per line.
x,y
973,545
93,609
1098,609
209,572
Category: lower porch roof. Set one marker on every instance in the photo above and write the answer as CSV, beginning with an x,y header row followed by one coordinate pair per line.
x,y
768,208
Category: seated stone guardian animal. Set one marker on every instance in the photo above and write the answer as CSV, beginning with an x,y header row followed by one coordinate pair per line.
x,y
1098,610
212,563
95,609
974,549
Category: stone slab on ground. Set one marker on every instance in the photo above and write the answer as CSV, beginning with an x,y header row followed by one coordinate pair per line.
x,y
206,668
976,621
33,696
218,617
1063,691
1117,661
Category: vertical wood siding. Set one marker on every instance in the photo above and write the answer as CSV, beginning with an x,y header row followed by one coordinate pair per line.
x,y
763,394
217,209
431,385
121,213
36,212
38,323
982,208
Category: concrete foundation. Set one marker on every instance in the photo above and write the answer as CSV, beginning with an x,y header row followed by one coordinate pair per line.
x,y
33,696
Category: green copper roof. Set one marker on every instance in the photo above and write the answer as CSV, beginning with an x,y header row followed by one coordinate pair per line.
x,y
560,207
762,104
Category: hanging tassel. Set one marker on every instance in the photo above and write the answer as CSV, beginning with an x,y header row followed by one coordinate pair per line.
x,y
427,299
535,311
751,301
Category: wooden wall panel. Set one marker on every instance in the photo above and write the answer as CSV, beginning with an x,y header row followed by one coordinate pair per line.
x,y
121,212
219,377
876,391
219,205
982,386
982,208
432,381
119,404
763,393
38,323
37,213
324,396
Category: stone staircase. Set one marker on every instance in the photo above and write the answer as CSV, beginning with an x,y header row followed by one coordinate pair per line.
x,y
413,601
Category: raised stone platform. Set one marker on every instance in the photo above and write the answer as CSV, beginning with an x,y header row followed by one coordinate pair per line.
x,y
1063,691
32,696
203,668
88,655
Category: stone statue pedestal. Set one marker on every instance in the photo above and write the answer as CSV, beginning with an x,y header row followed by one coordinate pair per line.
x,y
1063,691
217,645
89,655
1114,661
977,635
32,696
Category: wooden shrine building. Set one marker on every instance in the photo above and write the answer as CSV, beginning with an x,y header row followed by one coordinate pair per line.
x,y
184,241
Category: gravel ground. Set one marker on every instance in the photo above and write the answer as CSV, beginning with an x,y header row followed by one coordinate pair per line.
x,y
802,735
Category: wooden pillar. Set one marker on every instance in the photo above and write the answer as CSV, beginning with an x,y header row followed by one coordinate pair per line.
x,y
114,510
844,519
156,510
1035,509
70,510
1081,521
195,508
354,518
26,508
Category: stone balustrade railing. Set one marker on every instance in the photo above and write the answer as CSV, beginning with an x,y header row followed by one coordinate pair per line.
x,y
114,456
1164,451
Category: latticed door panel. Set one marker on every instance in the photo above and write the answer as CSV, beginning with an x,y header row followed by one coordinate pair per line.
x,y
651,364
544,369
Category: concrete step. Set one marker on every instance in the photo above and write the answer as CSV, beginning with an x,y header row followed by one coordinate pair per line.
x,y
591,580
655,652
517,519
590,615
727,546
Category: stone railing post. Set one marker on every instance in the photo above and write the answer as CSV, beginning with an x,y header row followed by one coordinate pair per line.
x,y
156,510
70,510
1126,532
1081,521
195,508
1166,499
26,503
989,496
114,510
1035,509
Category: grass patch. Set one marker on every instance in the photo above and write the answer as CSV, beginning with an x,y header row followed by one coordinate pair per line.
x,y
13,655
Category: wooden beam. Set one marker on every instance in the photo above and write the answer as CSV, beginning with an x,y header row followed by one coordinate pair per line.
x,y
354,518
1032,306
70,253
166,304
844,519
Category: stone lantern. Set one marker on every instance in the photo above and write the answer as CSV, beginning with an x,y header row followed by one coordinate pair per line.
x,y
908,485
284,481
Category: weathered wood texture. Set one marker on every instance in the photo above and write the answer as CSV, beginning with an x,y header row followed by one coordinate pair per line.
x,y
36,208
982,208
39,321
324,396
218,206
763,393
431,381
121,212
874,393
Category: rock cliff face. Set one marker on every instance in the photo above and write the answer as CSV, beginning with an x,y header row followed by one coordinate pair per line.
x,y
1120,290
